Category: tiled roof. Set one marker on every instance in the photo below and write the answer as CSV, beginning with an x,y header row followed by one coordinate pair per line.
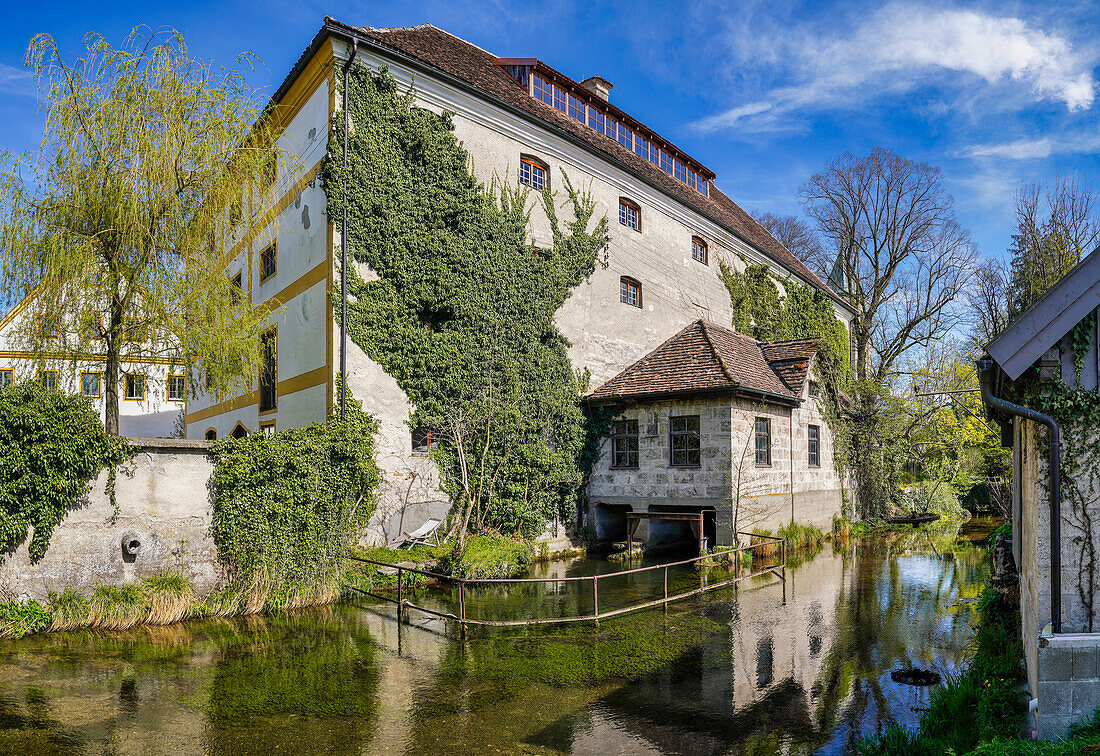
x,y
705,357
790,360
476,67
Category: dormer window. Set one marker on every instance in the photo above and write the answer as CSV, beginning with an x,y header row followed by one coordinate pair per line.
x,y
533,173
699,250
630,215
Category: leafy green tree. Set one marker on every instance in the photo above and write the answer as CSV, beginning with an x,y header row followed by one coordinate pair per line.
x,y
115,227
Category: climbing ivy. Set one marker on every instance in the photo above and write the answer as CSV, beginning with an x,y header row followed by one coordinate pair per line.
x,y
51,446
461,307
288,506
802,313
1080,337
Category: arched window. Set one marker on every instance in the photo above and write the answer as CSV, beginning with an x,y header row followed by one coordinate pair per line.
x,y
630,215
240,431
211,435
534,173
630,292
699,250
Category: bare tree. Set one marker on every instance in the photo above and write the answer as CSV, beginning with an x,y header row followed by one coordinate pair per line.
x,y
988,299
1051,237
799,237
893,228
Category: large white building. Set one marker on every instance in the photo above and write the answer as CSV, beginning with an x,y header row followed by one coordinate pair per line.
x,y
520,120
152,389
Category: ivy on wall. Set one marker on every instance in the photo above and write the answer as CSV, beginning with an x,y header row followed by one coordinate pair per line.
x,y
288,506
802,313
461,312
51,446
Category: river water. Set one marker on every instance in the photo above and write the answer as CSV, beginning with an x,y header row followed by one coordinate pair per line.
x,y
794,666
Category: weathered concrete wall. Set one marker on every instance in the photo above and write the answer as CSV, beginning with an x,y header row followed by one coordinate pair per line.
x,y
1068,681
163,500
767,496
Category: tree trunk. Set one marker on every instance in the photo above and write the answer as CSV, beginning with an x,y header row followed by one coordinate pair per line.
x,y
111,367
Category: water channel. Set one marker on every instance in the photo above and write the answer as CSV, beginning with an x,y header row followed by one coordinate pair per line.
x,y
796,666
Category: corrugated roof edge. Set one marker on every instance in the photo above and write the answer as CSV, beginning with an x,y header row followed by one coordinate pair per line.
x,y
332,27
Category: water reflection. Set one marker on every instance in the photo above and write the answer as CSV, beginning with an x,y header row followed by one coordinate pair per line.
x,y
794,667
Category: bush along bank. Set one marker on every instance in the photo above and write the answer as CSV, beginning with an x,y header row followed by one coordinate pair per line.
x,y
287,509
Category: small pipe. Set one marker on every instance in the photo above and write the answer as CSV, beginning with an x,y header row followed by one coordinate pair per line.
x,y
344,246
985,368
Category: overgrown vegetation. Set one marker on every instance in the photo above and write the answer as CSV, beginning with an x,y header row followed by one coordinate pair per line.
x,y
287,508
51,446
462,310
803,312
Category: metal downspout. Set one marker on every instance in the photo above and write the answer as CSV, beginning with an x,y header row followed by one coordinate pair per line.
x,y
344,242
985,368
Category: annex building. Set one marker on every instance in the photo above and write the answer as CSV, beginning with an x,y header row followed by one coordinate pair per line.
x,y
520,121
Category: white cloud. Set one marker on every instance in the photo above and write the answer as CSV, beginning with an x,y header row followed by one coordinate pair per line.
x,y
903,46
1036,149
16,81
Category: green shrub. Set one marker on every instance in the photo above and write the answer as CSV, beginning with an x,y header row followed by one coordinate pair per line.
x,y
51,446
19,618
68,610
800,537
944,500
488,556
287,507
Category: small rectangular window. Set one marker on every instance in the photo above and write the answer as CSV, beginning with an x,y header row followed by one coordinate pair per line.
x,y
629,215
813,445
238,286
91,384
683,445
48,327
698,250
7,377
48,379
680,171
626,137
763,441
135,387
268,263
236,211
176,388
630,292
270,171
532,174
269,372
267,429
424,439
666,162
624,444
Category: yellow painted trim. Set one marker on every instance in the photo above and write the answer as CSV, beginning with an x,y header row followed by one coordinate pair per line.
x,y
284,202
314,72
15,311
293,385
305,282
21,355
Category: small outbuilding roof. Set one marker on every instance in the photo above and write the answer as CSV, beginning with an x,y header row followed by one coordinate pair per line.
x,y
1041,326
707,358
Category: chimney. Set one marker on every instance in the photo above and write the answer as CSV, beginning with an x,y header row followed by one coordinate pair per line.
x,y
598,86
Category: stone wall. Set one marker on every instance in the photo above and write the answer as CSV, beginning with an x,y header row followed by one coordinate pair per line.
x,y
163,497
1067,673
767,496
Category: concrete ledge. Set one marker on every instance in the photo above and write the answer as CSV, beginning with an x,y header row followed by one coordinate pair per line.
x,y
1068,681
170,444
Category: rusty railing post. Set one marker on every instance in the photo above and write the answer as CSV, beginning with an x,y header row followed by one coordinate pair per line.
x,y
596,597
666,586
399,595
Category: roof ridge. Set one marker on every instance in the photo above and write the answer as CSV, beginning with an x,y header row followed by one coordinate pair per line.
x,y
717,355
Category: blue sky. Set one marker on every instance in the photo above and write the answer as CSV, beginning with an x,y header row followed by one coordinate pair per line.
x,y
763,93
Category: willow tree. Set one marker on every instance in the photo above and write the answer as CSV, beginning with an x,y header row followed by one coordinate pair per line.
x,y
115,230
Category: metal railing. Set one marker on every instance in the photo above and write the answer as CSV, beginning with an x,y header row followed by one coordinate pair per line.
x,y
404,605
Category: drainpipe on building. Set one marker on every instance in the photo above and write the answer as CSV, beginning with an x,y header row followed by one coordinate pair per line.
x,y
344,242
985,370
